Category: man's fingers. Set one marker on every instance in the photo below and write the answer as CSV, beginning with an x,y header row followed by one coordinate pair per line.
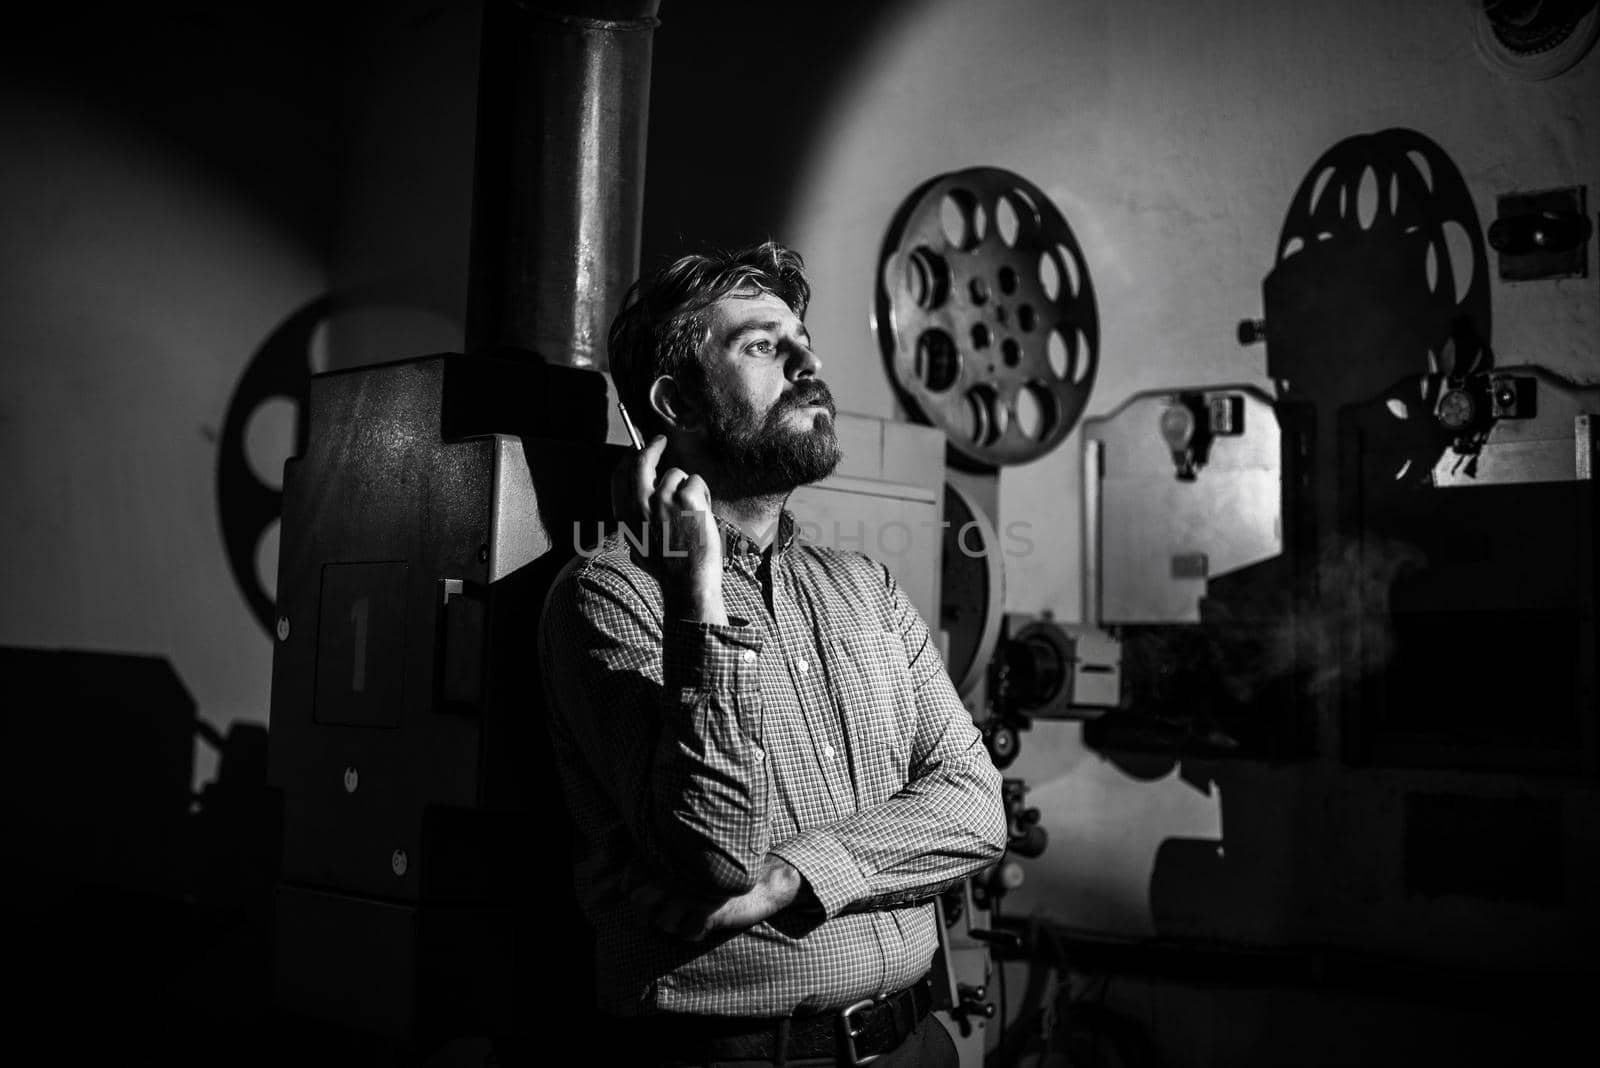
x,y
679,915
692,500
669,482
673,917
645,465
634,479
695,494
650,455
664,498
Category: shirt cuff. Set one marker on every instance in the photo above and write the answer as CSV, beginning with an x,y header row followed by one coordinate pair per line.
x,y
827,865
709,656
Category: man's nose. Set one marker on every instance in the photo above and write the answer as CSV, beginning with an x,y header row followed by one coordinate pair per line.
x,y
803,363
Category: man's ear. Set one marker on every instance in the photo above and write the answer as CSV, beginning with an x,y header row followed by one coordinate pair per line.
x,y
673,404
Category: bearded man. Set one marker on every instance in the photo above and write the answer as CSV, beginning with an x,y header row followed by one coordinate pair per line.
x,y
770,773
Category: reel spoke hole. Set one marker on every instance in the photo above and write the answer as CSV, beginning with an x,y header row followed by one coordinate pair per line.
x,y
1317,189
1017,218
1006,223
1011,352
1049,276
1059,355
1058,274
269,439
1458,250
962,218
1082,358
938,361
1008,279
979,290
987,417
1069,272
927,278
1420,162
980,335
1026,318
266,558
1367,199
1035,411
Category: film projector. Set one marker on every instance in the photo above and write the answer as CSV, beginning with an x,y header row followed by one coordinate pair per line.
x,y
986,320
987,323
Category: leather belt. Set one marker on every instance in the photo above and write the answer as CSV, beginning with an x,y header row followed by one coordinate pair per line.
x,y
855,1035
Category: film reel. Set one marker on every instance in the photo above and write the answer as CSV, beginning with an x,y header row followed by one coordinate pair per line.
x,y
248,505
986,315
1399,190
1380,290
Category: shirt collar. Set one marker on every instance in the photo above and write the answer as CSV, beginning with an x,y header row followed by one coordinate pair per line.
x,y
735,545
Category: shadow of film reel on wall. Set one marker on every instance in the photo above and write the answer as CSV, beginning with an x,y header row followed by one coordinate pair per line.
x,y
986,316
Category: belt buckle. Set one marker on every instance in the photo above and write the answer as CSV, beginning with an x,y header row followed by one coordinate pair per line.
x,y
848,1033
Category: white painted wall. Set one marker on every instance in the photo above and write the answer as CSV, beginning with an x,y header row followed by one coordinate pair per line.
x,y
1172,134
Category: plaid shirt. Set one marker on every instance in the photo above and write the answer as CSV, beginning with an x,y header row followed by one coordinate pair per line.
x,y
819,725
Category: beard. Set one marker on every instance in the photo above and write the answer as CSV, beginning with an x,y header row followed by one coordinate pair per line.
x,y
763,456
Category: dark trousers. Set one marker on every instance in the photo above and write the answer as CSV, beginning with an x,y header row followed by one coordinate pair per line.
x,y
929,1046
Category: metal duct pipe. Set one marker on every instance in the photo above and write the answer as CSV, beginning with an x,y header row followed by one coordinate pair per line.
x,y
558,189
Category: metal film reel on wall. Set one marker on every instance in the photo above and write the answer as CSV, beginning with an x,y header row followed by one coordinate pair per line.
x,y
986,315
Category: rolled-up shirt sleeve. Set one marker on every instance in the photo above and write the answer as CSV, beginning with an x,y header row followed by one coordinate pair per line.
x,y
667,716
945,823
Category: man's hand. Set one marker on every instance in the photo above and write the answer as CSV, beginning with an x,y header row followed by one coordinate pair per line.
x,y
679,529
778,885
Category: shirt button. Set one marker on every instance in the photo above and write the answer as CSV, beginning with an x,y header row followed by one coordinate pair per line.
x,y
761,754
749,656
827,751
801,665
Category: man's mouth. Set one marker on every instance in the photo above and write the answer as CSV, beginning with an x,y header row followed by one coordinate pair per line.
x,y
817,397
811,407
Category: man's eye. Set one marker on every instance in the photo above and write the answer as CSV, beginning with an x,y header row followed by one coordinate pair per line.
x,y
760,348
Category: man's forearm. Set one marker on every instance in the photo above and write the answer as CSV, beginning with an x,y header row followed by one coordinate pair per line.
x,y
671,910
942,826
667,716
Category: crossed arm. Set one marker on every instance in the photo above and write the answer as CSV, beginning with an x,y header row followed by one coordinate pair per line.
x,y
667,716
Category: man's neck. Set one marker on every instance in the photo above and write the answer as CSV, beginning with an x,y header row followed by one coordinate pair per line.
x,y
756,517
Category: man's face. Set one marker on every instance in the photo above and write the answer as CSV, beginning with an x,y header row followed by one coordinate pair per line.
x,y
769,418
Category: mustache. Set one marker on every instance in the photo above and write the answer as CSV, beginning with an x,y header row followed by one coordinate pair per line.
x,y
808,391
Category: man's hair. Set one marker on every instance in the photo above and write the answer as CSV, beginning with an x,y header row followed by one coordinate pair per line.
x,y
663,322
